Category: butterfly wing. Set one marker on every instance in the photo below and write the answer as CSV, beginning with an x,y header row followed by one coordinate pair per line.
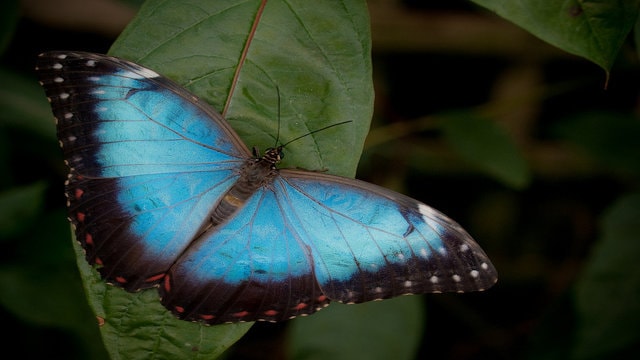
x,y
309,238
372,243
252,267
148,162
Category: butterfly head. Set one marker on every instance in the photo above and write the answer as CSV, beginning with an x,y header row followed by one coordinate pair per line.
x,y
273,155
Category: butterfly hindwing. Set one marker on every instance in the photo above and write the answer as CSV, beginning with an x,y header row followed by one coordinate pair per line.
x,y
372,243
252,267
309,238
147,160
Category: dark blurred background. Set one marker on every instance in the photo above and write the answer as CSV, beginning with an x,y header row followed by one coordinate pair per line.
x,y
551,234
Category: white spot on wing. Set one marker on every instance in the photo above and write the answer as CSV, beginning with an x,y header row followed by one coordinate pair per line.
x,y
474,273
64,96
464,247
433,279
58,79
91,63
140,73
57,66
427,213
456,277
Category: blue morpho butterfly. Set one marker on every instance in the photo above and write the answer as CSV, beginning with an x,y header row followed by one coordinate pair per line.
x,y
162,191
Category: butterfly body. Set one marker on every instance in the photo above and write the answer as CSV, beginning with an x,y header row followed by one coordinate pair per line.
x,y
162,192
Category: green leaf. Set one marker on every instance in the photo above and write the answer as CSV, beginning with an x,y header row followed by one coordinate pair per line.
x,y
389,329
19,207
273,69
487,146
593,29
608,292
137,326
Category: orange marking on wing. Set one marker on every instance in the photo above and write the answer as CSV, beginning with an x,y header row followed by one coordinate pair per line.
x,y
167,284
300,306
154,278
240,314
271,313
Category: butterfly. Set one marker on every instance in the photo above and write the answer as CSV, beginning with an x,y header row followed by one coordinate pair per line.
x,y
163,193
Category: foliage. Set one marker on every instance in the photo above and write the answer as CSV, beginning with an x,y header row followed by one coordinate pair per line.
x,y
318,59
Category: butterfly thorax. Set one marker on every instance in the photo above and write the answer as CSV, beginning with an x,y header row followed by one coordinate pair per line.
x,y
254,174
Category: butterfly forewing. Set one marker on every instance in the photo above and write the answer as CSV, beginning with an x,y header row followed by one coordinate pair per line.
x,y
162,191
146,161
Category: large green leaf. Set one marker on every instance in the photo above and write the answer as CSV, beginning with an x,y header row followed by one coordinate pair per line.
x,y
137,326
247,57
593,29
273,69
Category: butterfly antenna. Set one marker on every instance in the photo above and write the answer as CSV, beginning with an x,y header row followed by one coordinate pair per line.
x,y
301,136
278,132
315,131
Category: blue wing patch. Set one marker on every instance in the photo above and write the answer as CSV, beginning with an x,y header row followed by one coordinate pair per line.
x,y
162,191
